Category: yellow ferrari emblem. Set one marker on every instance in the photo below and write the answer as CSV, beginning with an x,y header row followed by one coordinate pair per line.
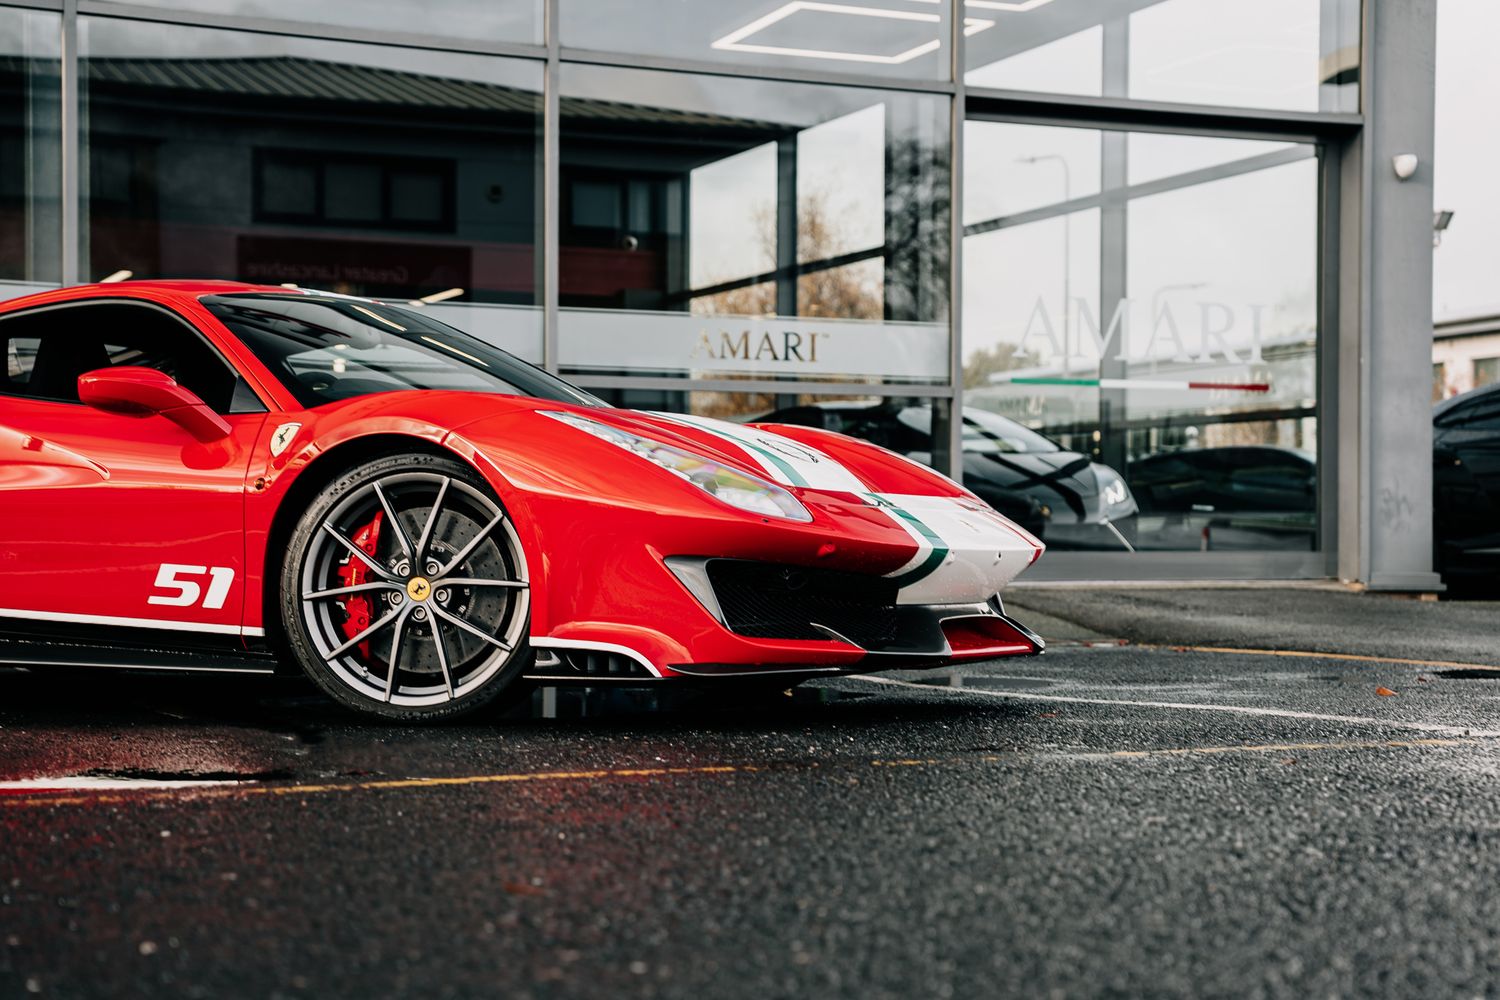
x,y
417,588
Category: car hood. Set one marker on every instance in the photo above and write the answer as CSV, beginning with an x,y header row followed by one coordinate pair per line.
x,y
799,457
1066,480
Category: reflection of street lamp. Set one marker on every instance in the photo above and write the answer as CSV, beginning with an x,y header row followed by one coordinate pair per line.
x,y
1067,220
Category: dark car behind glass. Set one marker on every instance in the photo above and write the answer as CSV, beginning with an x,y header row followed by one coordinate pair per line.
x,y
1236,497
1062,497
1466,487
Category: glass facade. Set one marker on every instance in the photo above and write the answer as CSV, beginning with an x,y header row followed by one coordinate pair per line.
x,y
896,38
1149,302
362,169
486,20
30,148
1466,240
752,228
1110,329
1291,55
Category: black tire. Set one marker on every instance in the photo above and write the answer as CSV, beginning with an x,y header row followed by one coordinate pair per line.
x,y
486,620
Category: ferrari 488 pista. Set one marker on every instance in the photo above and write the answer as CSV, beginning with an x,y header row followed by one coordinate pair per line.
x,y
219,476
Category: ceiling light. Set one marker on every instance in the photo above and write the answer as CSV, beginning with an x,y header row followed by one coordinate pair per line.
x,y
1014,6
735,40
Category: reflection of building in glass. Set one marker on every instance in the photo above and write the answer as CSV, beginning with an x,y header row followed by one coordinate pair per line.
x,y
317,172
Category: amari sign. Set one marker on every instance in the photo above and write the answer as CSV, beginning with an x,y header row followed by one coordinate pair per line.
x,y
606,340
1203,332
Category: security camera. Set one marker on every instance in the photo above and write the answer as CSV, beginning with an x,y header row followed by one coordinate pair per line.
x,y
1405,164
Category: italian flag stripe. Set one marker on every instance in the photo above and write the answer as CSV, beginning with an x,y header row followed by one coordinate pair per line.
x,y
1135,383
792,475
937,550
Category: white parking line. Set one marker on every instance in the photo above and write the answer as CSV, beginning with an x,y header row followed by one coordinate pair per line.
x,y
1275,713
80,782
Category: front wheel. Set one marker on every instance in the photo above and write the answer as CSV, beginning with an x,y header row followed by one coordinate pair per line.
x,y
404,591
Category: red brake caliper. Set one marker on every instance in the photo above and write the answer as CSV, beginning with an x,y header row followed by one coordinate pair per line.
x,y
353,573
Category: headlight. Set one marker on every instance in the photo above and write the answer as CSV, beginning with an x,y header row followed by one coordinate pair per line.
x,y
738,489
1114,491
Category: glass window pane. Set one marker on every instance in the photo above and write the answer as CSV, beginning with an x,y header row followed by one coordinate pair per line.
x,y
478,20
1486,371
362,169
765,205
1463,173
30,150
896,38
353,192
1295,55
1179,383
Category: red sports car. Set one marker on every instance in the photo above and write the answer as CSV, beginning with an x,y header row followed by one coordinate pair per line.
x,y
219,476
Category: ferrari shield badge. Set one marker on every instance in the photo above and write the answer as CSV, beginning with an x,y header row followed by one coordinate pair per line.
x,y
283,437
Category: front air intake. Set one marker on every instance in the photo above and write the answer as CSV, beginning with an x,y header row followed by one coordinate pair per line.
x,y
775,601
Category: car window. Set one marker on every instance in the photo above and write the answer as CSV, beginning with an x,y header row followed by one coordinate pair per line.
x,y
329,348
47,349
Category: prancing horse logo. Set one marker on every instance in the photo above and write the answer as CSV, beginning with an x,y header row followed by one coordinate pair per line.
x,y
283,437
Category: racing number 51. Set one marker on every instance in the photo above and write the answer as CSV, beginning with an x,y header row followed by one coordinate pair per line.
x,y
171,576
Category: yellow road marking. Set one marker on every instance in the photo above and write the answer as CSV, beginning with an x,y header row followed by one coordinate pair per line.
x,y
1306,653
390,784
248,790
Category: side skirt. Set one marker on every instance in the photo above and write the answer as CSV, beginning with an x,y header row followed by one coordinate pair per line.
x,y
43,644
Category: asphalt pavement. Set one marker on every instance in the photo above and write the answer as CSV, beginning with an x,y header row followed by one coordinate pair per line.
x,y
1104,820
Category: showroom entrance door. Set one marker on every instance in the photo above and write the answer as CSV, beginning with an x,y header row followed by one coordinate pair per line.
x,y
1150,300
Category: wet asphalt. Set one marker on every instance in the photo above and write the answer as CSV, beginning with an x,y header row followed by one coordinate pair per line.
x,y
1105,820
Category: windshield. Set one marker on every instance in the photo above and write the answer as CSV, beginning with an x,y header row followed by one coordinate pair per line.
x,y
984,431
326,349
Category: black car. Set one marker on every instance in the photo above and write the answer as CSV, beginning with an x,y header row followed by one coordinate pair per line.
x,y
1466,486
1235,497
1062,497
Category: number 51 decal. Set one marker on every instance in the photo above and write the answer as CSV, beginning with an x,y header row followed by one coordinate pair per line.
x,y
174,576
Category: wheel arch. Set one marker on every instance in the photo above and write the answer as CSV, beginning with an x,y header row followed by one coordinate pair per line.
x,y
323,469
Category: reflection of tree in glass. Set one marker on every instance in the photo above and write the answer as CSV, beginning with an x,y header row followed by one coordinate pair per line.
x,y
905,280
986,361
852,291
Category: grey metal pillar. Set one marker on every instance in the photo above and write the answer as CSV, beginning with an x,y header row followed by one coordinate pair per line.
x,y
1385,335
786,239
1114,248
786,225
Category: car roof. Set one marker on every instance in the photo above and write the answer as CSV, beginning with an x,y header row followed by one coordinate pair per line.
x,y
1464,397
154,290
163,291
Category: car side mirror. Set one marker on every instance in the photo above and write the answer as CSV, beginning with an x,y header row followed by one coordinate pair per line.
x,y
144,392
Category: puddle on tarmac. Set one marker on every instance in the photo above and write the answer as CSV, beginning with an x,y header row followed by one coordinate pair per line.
x,y
989,682
596,702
